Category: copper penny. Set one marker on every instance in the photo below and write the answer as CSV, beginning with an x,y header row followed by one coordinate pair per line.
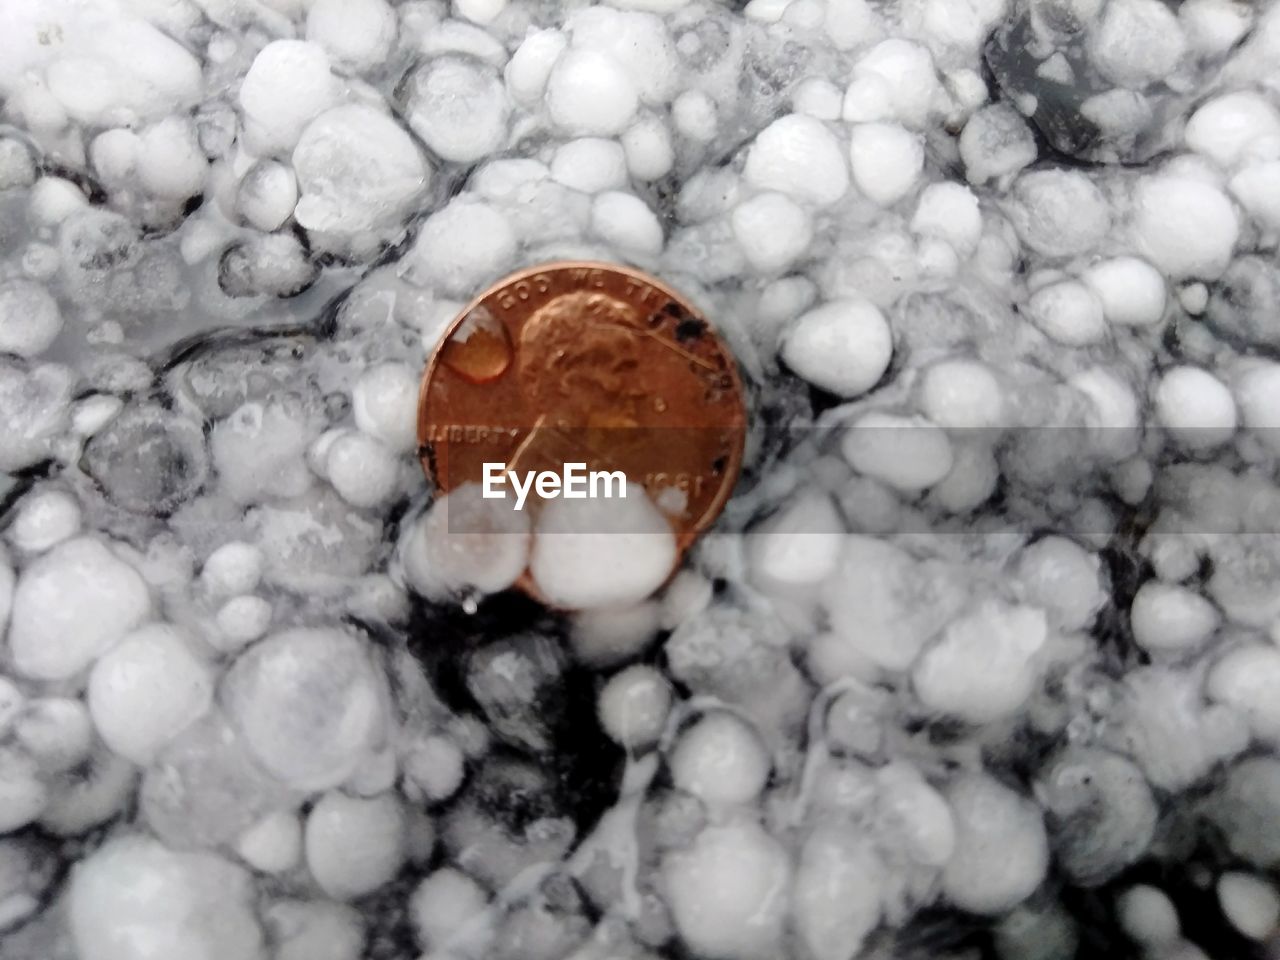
x,y
594,363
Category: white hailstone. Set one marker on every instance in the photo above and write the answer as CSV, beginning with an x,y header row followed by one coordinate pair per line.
x,y
1194,297
24,795
1167,618
797,155
907,453
1250,903
1148,916
171,164
1063,578
287,85
950,211
357,170
843,346
1225,127
895,79
1196,408
1059,213
17,165
258,451
1213,26
363,470
465,541
72,604
235,567
818,98
961,394
694,115
29,318
7,582
465,39
726,891
590,94
611,636
459,108
309,704
1187,227
354,845
1001,852
267,195
720,760
638,42
114,154
795,550
648,149
446,910
1246,679
52,200
1136,42
133,898
1257,188
146,690
384,403
527,72
996,142
40,261
12,699
1132,291
1114,419
315,930
1257,391
625,222
601,552
273,844
1068,313
436,765
836,898
633,706
590,164
482,12
972,481
356,34
462,246
772,230
887,160
983,668
56,731
241,620
44,520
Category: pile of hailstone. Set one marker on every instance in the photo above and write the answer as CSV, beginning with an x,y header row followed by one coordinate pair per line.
x,y
983,658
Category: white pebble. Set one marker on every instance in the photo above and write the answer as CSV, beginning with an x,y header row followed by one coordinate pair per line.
x,y
887,160
436,766
626,222
363,470
444,907
1226,127
797,155
843,346
694,116
1148,916
354,845
235,567
633,706
647,145
267,195
461,247
589,94
273,844
30,320
907,453
720,760
590,164
1064,579
601,552
459,108
1068,313
527,72
56,731
171,165
1195,407
146,690
356,34
1167,618
1002,851
287,85
465,541
242,620
772,230
1187,228
962,394
384,403
44,520
1246,679
72,604
1132,291
1250,903
950,211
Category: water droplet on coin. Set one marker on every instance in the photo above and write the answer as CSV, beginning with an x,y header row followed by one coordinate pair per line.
x,y
480,349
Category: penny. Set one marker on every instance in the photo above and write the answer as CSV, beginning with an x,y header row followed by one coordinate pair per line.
x,y
592,364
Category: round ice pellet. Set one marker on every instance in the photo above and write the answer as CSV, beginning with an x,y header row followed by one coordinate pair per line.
x,y
949,211
527,72
720,759
363,470
907,453
235,567
772,230
242,620
462,246
437,766
384,402
1148,916
1257,391
354,845
1171,619
171,165
1195,407
590,94
1132,292
287,85
962,394
1250,903
1064,578
1069,313
590,164
29,318
273,844
647,144
56,731
633,706
44,520
459,107
1001,852
443,906
356,34
887,160
694,116
843,346
1187,227
797,155
267,195
626,222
